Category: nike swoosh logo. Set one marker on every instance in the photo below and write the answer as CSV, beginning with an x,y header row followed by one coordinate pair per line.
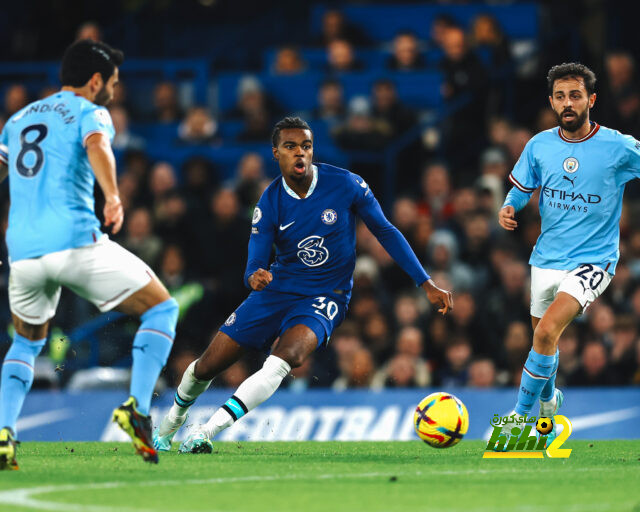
x,y
362,183
282,228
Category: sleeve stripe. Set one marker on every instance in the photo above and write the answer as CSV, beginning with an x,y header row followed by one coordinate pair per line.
x,y
89,134
519,185
4,155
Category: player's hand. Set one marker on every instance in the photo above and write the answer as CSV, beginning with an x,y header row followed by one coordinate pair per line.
x,y
440,298
506,218
113,213
260,279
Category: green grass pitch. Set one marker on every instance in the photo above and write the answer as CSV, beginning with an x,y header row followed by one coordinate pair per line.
x,y
327,477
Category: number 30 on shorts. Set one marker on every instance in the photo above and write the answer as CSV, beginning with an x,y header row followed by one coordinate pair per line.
x,y
329,310
588,276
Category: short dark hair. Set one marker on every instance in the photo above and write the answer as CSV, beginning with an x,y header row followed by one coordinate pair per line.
x,y
84,58
572,70
285,124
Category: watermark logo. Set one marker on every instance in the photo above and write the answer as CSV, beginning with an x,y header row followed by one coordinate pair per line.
x,y
526,438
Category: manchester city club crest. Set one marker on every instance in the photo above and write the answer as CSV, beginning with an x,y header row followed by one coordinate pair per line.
x,y
570,165
329,216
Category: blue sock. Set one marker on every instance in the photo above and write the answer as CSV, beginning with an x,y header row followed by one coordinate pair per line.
x,y
151,348
537,371
550,386
17,377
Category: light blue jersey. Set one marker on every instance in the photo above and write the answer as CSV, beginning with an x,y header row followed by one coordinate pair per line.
x,y
582,183
50,179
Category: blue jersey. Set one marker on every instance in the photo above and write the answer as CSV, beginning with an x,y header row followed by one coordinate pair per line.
x,y
582,183
315,236
50,179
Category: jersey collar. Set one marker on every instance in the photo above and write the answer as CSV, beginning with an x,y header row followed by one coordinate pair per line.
x,y
594,129
312,187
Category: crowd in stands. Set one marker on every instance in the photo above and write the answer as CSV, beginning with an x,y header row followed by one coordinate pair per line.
x,y
191,224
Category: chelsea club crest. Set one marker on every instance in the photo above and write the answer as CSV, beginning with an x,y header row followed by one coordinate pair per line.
x,y
570,165
329,216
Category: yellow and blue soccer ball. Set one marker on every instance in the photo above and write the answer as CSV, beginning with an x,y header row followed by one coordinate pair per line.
x,y
441,420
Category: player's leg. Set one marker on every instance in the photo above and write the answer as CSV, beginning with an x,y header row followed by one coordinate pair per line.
x,y
33,299
542,359
221,353
293,348
17,377
112,277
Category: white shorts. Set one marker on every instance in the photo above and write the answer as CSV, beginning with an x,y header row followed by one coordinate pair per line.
x,y
585,283
104,273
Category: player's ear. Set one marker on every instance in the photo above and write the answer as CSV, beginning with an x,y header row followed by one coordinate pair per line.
x,y
551,101
276,153
592,100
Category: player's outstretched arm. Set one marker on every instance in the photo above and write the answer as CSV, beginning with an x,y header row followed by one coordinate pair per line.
x,y
440,298
103,164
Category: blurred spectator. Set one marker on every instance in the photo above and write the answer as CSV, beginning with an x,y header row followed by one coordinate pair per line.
x,y
594,370
253,101
165,103
162,179
47,90
341,57
482,373
623,364
330,106
455,371
15,98
440,25
494,162
487,34
546,119
436,189
516,141
249,175
139,237
388,107
301,378
622,96
172,267
257,127
124,139
358,371
198,127
288,62
235,375
443,256
601,321
377,336
402,371
199,180
465,85
406,53
517,343
89,30
335,26
569,356
362,131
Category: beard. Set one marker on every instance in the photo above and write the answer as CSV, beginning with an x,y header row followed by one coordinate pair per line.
x,y
103,97
575,123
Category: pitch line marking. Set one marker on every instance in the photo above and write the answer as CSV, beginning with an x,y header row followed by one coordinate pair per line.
x,y
24,497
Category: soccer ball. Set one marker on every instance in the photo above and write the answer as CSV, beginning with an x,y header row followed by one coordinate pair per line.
x,y
544,426
441,420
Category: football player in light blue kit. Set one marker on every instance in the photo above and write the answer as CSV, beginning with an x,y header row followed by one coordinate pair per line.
x,y
53,150
581,169
310,214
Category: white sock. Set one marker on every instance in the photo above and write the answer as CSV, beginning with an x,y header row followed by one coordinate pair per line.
x,y
547,408
251,393
189,389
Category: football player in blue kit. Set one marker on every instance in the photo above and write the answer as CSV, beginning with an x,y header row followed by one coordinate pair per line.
x,y
581,169
310,215
53,150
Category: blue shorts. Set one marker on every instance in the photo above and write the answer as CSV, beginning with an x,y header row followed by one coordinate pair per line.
x,y
265,315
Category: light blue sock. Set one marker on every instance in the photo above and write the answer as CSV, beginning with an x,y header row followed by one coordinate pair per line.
x,y
151,348
17,377
550,386
537,371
